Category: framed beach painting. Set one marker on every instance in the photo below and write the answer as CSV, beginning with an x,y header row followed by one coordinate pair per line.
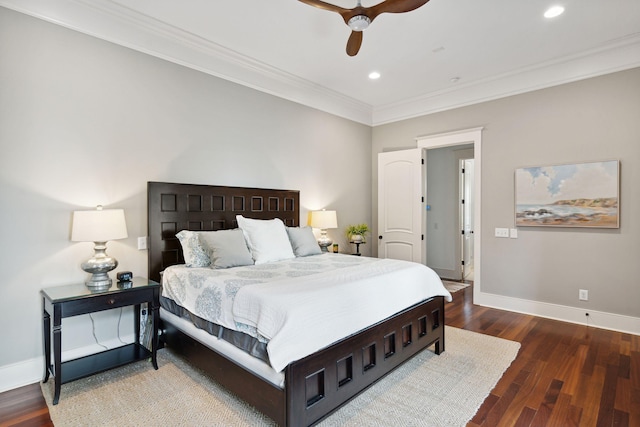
x,y
571,195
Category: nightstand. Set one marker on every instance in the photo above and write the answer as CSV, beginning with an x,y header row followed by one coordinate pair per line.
x,y
72,300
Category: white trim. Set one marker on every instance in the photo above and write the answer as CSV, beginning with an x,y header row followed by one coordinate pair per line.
x,y
31,371
111,21
22,373
621,54
597,319
461,137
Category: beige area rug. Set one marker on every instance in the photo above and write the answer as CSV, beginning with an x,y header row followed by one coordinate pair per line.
x,y
454,286
428,390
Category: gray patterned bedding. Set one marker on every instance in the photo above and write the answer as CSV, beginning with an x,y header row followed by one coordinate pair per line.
x,y
285,310
205,296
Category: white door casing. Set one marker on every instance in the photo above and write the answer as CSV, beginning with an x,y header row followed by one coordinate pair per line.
x,y
468,221
401,219
466,136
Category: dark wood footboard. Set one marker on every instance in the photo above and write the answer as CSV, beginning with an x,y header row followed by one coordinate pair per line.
x,y
320,383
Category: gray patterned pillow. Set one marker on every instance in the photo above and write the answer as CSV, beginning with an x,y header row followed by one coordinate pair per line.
x,y
303,241
226,248
194,254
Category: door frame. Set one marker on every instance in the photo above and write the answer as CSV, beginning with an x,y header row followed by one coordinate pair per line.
x,y
461,137
460,157
464,237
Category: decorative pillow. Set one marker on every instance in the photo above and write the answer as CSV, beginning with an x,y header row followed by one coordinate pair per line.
x,y
303,241
267,239
227,248
194,254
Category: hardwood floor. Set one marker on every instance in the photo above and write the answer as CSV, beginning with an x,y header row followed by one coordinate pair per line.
x,y
25,407
564,375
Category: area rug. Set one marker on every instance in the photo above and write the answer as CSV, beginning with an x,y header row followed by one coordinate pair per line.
x,y
454,286
428,390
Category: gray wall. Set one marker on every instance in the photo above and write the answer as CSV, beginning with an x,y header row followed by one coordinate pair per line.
x,y
590,120
85,122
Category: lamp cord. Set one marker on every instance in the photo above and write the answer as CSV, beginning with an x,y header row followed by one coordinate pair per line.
x,y
120,317
93,327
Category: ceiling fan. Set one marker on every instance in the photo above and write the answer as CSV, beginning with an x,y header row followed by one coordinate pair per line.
x,y
359,18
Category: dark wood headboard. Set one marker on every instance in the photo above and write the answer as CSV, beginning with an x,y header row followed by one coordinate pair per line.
x,y
175,207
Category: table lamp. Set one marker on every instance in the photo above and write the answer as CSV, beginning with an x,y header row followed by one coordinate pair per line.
x,y
99,226
323,220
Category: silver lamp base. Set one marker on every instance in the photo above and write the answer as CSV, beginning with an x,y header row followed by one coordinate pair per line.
x,y
99,266
324,241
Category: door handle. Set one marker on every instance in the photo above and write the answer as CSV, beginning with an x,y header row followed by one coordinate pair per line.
x,y
380,237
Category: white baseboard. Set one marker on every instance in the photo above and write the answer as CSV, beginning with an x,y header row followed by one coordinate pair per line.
x,y
32,371
21,373
597,319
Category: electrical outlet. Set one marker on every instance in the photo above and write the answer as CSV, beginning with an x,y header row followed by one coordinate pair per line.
x,y
502,232
583,295
142,243
513,233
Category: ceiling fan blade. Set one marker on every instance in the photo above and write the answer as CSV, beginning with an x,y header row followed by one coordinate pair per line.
x,y
363,16
354,43
394,6
326,6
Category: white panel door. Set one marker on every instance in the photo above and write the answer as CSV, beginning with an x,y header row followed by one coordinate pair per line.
x,y
401,183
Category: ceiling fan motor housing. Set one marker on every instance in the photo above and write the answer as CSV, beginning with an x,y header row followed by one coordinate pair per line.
x,y
359,22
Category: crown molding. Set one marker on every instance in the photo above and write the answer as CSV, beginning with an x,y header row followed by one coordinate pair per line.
x,y
620,55
118,24
107,20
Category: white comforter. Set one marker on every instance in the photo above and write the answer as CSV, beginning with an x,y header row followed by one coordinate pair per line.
x,y
298,315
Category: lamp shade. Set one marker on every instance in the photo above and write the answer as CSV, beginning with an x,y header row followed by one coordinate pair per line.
x,y
98,225
323,219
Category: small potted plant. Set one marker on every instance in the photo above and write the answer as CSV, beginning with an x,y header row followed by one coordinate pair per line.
x,y
357,233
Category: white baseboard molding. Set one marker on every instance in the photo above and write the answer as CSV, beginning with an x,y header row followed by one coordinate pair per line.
x,y
596,319
32,371
21,373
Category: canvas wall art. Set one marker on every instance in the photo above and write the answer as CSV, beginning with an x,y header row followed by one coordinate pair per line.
x,y
571,195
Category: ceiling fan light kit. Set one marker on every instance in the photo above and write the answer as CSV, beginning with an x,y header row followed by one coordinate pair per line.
x,y
359,18
359,23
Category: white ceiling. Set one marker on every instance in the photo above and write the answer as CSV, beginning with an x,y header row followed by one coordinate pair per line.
x,y
494,48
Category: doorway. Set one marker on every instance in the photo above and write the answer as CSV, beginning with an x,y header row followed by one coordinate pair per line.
x,y
456,138
445,216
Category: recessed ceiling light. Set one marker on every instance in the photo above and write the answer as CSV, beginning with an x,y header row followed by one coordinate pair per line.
x,y
554,11
374,75
455,79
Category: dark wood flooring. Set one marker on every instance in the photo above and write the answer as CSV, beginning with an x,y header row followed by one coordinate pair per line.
x,y
564,375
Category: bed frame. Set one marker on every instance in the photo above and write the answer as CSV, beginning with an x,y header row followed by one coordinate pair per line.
x,y
318,384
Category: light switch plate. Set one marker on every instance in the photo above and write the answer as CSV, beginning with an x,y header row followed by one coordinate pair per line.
x,y
502,232
142,243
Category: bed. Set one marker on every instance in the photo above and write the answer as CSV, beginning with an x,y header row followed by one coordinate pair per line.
x,y
306,389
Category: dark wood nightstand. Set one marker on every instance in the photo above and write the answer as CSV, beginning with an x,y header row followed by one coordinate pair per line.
x,y
72,300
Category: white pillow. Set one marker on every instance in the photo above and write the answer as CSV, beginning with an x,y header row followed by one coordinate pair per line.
x,y
303,241
267,239
194,254
227,248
